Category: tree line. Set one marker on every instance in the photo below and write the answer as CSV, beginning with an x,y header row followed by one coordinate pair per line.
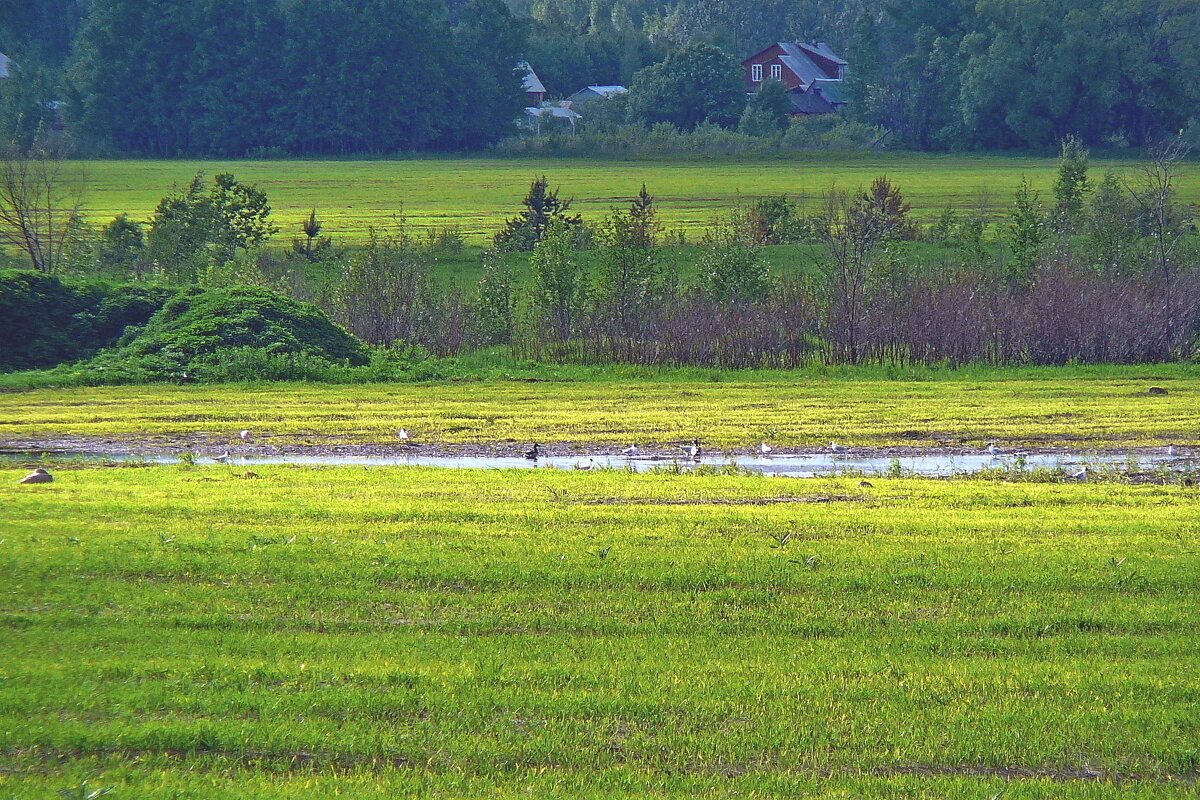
x,y
242,77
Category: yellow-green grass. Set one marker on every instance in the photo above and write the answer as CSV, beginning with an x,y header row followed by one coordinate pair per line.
x,y
1051,407
478,194
193,632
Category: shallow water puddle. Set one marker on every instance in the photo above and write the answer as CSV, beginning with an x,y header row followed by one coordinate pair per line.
x,y
799,465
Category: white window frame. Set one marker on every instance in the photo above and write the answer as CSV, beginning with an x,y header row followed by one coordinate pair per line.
x,y
776,72
756,73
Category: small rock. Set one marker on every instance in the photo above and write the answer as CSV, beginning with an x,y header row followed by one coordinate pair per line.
x,y
38,476
1156,390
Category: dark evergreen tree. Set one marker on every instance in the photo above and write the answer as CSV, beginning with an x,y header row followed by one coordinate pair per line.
x,y
496,41
543,208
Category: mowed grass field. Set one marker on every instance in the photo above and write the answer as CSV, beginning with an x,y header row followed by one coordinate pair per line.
x,y
477,195
1067,407
375,633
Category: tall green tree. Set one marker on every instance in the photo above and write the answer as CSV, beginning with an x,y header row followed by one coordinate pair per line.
x,y
496,40
559,286
699,83
1027,228
1071,185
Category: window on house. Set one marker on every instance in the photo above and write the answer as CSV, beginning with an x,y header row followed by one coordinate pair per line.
x,y
756,72
776,71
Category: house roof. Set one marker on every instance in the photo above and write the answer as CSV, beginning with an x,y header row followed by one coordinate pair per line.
x,y
831,90
531,82
559,112
595,92
5,66
608,91
800,64
809,103
823,50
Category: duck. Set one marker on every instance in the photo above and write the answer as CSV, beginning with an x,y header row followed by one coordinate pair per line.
x,y
533,453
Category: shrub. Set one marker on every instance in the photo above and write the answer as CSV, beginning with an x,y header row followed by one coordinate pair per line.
x,y
197,323
40,327
48,322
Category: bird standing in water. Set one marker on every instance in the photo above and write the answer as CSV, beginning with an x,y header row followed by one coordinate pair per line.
x,y
533,453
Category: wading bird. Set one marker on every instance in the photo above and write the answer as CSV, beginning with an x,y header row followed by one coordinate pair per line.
x,y
39,475
533,453
1171,450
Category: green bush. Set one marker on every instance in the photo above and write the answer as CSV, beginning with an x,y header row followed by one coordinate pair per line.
x,y
200,322
224,335
47,322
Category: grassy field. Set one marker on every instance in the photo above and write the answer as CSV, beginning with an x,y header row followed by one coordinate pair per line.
x,y
1101,407
193,632
478,194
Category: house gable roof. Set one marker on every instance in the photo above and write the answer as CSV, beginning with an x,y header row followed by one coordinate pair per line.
x,y
824,51
531,82
598,92
803,67
809,103
831,90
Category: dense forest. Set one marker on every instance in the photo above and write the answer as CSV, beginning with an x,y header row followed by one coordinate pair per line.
x,y
247,77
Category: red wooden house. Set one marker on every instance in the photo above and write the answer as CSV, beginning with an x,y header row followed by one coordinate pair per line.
x,y
812,73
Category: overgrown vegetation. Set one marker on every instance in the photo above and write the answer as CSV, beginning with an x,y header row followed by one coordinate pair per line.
x,y
1104,275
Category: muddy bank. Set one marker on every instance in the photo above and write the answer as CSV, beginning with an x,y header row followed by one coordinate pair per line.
x,y
266,446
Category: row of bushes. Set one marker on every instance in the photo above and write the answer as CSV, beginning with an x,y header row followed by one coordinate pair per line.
x,y
47,322
829,132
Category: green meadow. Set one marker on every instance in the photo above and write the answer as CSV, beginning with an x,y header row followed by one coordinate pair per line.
x,y
175,632
1080,407
476,195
